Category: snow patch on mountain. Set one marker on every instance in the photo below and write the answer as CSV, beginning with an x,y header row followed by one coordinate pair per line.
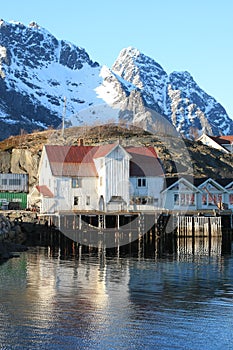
x,y
38,73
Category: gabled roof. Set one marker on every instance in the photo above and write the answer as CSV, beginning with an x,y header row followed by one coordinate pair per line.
x,y
144,162
104,150
220,140
71,160
222,184
214,183
229,185
70,154
79,160
45,191
172,182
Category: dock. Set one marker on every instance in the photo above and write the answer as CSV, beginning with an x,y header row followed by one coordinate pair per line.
x,y
121,228
158,222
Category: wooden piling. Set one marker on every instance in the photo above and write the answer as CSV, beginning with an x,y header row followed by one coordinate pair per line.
x,y
198,226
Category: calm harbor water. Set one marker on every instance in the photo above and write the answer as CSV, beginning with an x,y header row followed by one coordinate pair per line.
x,y
55,298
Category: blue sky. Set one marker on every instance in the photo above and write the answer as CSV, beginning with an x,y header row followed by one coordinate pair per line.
x,y
180,35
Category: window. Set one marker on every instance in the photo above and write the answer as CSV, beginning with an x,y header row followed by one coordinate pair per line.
x,y
176,199
184,199
4,182
204,199
88,200
211,199
231,199
76,182
191,199
142,182
14,182
76,200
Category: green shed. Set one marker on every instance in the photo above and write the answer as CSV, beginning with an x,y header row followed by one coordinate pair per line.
x,y
15,200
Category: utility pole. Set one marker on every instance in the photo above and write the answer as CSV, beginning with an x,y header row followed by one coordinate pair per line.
x,y
63,117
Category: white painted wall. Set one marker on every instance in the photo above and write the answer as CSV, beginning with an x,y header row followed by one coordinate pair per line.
x,y
117,174
14,182
169,203
86,193
154,186
47,205
45,174
101,180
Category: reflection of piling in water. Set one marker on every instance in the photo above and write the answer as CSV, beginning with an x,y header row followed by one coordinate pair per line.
x,y
170,235
146,246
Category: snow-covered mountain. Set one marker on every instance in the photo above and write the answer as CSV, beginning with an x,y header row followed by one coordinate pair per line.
x,y
38,73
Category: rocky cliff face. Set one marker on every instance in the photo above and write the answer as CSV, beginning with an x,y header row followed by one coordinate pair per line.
x,y
20,161
37,72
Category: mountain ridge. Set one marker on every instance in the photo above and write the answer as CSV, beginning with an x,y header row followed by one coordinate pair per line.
x,y
37,71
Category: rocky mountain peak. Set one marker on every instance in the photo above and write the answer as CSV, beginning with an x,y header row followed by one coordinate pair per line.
x,y
145,73
34,46
191,107
132,65
37,71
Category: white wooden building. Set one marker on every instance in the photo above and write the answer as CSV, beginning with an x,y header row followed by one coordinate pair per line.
x,y
10,182
222,143
213,195
229,188
180,194
197,194
103,178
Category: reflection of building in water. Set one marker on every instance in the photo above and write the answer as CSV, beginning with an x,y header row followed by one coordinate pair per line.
x,y
188,246
86,286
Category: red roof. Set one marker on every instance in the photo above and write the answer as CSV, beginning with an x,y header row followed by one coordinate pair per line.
x,y
70,154
72,160
226,139
79,160
144,162
45,191
222,140
103,150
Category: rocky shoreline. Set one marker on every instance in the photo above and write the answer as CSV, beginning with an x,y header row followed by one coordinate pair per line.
x,y
10,250
13,234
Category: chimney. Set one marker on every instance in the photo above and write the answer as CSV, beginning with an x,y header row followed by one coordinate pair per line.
x,y
80,142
